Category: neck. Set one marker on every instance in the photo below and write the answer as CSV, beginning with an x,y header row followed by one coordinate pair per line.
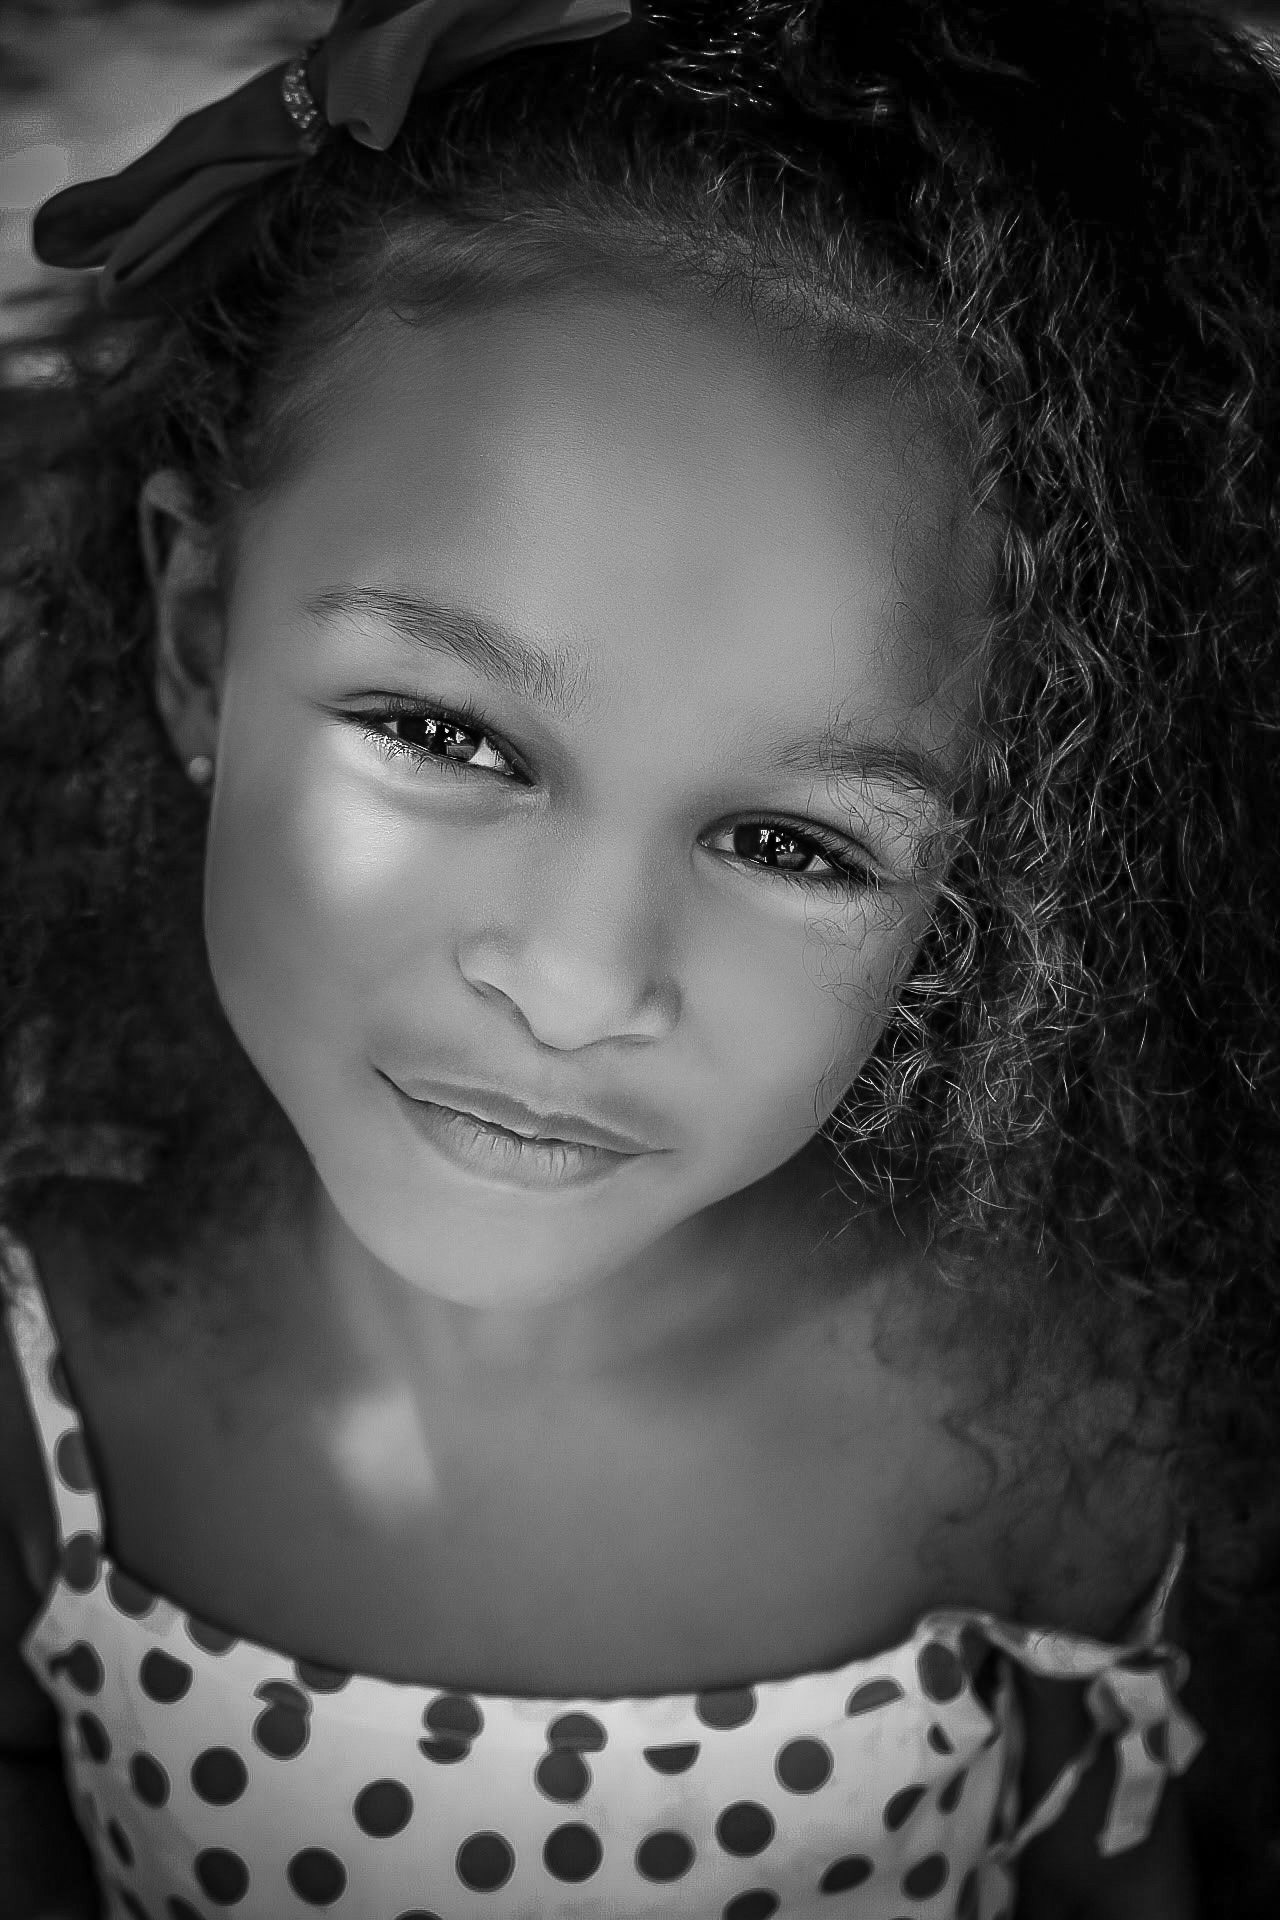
x,y
728,1275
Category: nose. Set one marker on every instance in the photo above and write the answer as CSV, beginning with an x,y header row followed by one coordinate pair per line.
x,y
583,956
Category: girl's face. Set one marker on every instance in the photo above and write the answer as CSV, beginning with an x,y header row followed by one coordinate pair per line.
x,y
660,613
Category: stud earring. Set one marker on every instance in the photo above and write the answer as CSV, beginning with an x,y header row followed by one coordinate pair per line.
x,y
200,770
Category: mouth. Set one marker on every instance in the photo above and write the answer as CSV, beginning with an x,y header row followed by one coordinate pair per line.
x,y
512,1117
499,1156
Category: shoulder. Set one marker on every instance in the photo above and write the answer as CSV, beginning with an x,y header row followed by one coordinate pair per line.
x,y
1074,1468
1094,1527
1037,1491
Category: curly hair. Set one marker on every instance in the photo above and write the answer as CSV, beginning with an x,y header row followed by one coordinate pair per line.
x,y
1057,226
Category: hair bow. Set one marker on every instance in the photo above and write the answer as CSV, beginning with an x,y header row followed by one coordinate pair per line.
x,y
361,75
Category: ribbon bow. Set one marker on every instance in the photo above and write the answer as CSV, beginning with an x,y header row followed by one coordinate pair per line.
x,y
361,75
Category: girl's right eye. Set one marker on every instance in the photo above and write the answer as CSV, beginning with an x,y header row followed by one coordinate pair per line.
x,y
455,740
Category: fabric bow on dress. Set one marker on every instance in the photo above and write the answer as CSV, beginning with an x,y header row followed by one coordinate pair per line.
x,y
361,75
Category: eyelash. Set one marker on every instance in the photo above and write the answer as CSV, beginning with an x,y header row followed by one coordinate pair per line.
x,y
852,876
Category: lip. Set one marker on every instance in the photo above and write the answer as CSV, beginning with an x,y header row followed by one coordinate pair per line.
x,y
503,1110
500,1158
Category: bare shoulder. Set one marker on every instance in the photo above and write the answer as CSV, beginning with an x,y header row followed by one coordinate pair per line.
x,y
1081,1517
1072,1495
1095,1518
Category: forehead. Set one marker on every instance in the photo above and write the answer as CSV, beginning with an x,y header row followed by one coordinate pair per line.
x,y
620,470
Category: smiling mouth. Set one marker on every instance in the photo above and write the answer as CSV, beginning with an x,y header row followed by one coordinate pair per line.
x,y
498,1155
504,1114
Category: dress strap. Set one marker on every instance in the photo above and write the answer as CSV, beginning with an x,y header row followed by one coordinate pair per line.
x,y
1147,1625
1132,1696
76,1505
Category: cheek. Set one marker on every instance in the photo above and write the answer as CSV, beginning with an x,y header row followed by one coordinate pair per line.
x,y
795,1021
310,895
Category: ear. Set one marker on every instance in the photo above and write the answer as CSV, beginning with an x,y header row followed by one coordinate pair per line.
x,y
181,558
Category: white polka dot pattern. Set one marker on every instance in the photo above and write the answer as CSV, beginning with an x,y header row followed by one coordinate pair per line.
x,y
214,1775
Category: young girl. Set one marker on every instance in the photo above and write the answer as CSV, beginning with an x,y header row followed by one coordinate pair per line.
x,y
638,978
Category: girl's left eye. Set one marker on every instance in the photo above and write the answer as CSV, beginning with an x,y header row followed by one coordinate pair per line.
x,y
459,739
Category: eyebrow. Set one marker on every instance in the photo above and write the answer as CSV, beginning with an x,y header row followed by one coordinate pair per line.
x,y
558,680
844,750
555,679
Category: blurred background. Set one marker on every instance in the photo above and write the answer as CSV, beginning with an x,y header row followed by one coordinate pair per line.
x,y
88,85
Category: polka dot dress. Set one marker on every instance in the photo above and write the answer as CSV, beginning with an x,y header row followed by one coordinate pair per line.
x,y
214,1776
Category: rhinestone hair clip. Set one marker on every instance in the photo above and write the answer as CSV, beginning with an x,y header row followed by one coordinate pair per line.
x,y
361,76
